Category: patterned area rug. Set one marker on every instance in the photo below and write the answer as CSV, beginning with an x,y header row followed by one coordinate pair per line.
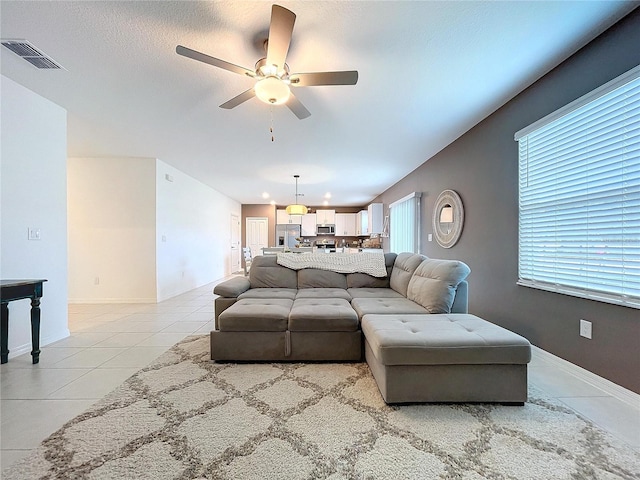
x,y
183,417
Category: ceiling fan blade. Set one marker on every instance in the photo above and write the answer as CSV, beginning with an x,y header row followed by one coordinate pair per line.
x,y
216,62
280,31
297,108
324,78
243,97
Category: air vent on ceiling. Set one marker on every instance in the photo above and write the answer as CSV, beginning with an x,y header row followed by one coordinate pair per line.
x,y
31,54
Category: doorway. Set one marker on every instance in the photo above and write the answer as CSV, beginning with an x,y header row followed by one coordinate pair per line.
x,y
257,234
235,243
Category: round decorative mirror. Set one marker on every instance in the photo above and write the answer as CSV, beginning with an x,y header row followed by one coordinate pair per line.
x,y
448,218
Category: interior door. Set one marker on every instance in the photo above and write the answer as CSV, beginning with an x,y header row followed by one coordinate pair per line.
x,y
257,233
235,243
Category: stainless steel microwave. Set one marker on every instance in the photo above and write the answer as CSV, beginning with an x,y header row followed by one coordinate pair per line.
x,y
326,229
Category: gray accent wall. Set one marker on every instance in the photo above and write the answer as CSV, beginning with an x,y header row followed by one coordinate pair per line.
x,y
482,166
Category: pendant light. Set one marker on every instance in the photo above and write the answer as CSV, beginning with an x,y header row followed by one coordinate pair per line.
x,y
296,208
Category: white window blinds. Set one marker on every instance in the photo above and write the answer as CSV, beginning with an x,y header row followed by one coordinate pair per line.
x,y
579,179
404,234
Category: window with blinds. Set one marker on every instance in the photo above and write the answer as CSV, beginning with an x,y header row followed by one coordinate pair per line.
x,y
404,231
579,196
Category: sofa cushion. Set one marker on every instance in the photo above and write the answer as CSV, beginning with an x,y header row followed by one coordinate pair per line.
x,y
266,273
403,268
433,284
232,287
373,293
315,278
362,280
289,293
322,315
323,293
442,339
256,315
364,306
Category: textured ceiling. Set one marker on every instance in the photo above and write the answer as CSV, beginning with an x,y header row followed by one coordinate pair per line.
x,y
428,71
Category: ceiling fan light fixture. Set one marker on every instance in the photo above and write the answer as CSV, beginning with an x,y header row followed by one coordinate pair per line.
x,y
272,90
271,73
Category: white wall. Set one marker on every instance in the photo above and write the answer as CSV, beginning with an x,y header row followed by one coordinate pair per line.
x,y
112,216
136,237
193,224
33,194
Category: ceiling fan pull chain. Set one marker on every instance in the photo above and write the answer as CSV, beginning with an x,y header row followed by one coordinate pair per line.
x,y
271,128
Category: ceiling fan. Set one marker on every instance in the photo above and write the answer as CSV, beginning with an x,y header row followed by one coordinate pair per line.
x,y
272,73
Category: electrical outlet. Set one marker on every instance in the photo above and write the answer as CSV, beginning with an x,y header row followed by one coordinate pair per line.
x,y
585,328
34,233
430,237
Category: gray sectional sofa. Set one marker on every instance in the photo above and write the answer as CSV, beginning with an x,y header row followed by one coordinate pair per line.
x,y
412,326
326,308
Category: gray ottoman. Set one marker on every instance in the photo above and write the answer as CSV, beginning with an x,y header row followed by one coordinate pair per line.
x,y
256,314
322,315
281,329
252,329
445,358
324,329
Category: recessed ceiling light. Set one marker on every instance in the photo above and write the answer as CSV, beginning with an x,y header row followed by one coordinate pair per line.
x,y
265,195
272,202
325,203
327,195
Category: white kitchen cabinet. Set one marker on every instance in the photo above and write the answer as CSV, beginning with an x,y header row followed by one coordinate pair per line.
x,y
309,225
346,224
375,220
362,223
282,218
326,217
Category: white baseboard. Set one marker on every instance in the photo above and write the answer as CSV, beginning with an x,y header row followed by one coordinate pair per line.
x,y
98,301
18,350
607,386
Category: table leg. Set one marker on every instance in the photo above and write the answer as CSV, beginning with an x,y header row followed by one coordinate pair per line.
x,y
4,333
35,329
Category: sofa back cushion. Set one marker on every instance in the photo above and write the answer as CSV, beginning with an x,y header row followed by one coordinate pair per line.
x,y
315,278
266,273
433,284
362,280
403,268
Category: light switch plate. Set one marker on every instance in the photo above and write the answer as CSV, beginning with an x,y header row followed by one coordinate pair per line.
x,y
34,234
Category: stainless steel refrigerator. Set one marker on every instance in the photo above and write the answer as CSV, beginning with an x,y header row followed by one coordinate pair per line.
x,y
286,235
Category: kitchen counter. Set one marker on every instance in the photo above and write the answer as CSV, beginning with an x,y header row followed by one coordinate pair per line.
x,y
360,249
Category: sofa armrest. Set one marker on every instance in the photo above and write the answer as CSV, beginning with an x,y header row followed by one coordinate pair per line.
x,y
461,300
233,287
220,305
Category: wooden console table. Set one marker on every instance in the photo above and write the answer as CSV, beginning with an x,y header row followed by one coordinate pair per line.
x,y
17,290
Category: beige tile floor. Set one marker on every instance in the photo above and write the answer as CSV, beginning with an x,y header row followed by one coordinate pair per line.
x,y
109,343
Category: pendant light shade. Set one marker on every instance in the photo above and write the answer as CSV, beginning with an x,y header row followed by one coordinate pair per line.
x,y
296,208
